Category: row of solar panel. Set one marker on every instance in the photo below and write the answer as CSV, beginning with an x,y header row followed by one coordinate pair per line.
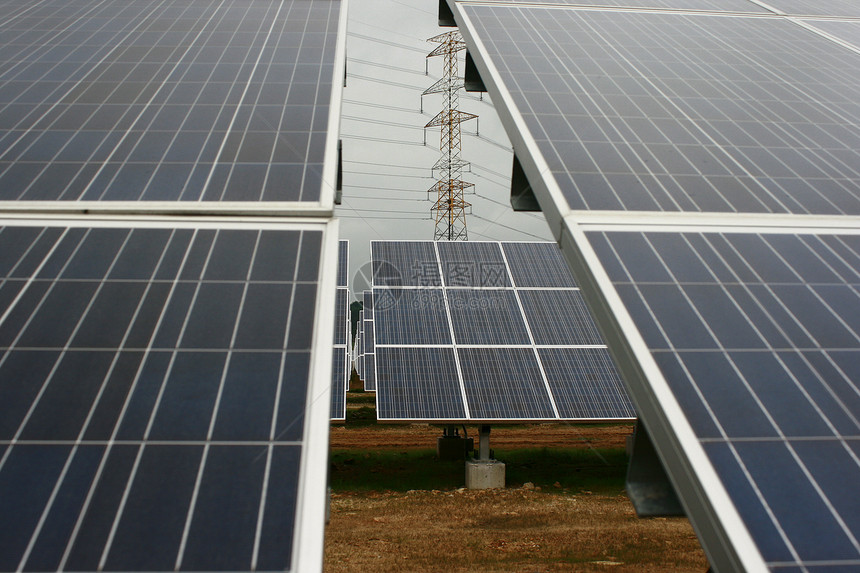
x,y
487,352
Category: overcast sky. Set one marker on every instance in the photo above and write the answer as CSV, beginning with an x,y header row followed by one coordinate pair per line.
x,y
387,167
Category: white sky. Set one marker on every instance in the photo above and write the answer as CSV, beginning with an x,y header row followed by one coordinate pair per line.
x,y
387,168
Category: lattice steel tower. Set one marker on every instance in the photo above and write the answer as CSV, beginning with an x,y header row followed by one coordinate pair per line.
x,y
450,207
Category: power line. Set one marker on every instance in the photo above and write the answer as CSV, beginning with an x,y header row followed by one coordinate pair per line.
x,y
387,198
507,227
387,66
382,140
386,82
382,122
383,164
383,106
386,42
387,174
382,188
363,217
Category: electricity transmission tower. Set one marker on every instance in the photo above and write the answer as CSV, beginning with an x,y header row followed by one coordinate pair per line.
x,y
450,208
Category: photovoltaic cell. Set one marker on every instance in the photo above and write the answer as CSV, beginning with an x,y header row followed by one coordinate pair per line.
x,y
537,265
504,383
172,102
597,386
472,264
159,438
339,382
559,317
486,317
410,316
418,383
404,263
343,264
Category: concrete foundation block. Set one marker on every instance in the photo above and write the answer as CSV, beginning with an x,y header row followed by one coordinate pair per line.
x,y
485,474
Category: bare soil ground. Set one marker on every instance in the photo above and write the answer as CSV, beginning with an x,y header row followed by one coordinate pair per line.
x,y
522,528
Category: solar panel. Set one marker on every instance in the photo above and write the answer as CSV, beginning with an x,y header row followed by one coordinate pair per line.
x,y
624,121
418,383
486,317
152,385
465,350
172,102
472,264
413,316
404,263
727,288
559,317
504,383
340,358
537,265
762,364
369,376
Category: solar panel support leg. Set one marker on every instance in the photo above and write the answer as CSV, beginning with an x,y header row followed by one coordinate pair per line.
x,y
484,472
484,453
647,484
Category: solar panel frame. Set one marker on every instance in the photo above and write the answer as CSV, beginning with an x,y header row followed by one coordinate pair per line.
x,y
293,463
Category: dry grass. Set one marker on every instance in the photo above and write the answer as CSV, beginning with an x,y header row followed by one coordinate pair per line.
x,y
503,530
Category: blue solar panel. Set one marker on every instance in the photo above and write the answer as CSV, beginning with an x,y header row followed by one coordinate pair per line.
x,y
504,384
404,263
559,317
537,265
342,336
756,357
598,388
127,424
636,123
418,383
737,341
176,101
486,317
485,328
472,264
410,316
